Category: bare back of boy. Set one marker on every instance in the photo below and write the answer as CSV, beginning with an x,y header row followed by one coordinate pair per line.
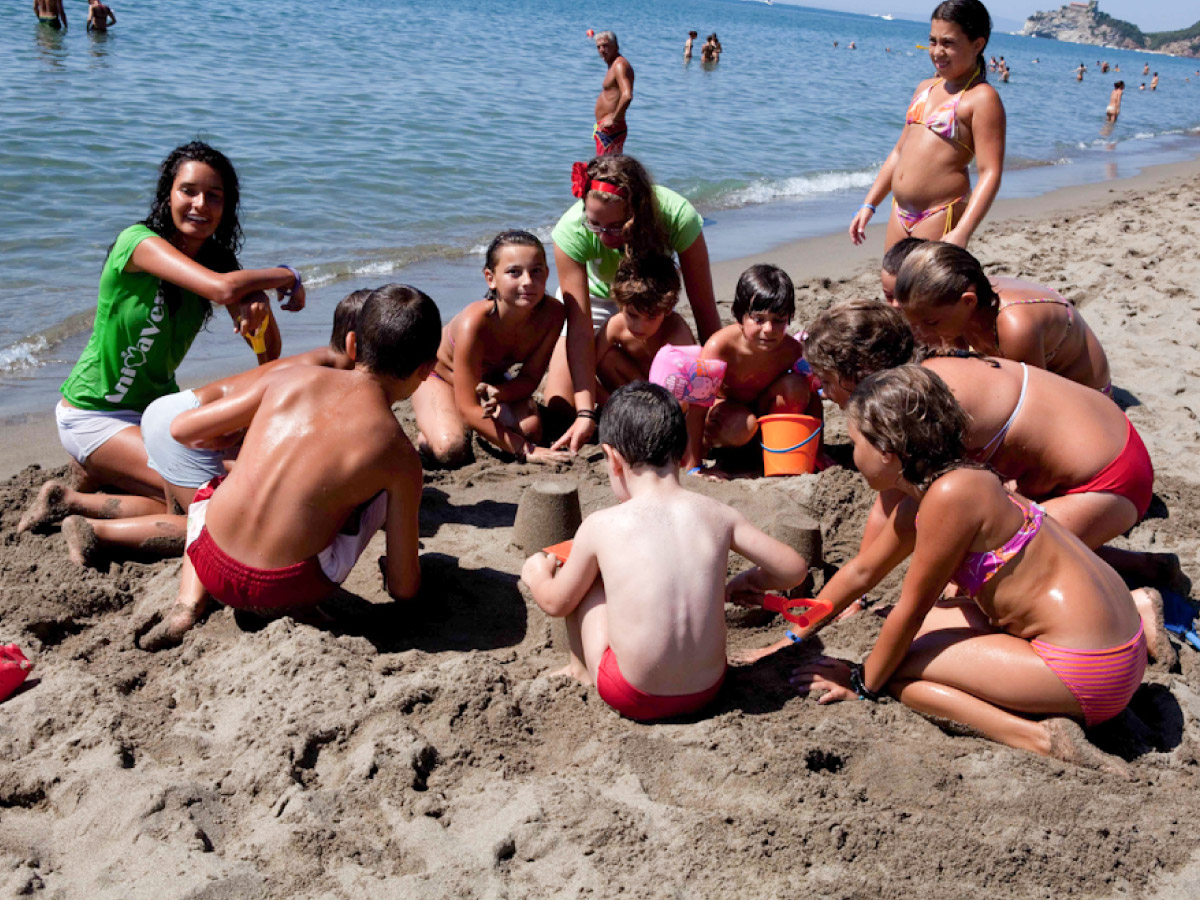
x,y
322,442
663,563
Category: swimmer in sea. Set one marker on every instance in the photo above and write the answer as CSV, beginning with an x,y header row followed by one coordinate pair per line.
x,y
50,13
1114,101
99,17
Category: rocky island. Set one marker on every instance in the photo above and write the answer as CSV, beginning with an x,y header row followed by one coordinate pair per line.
x,y
1084,23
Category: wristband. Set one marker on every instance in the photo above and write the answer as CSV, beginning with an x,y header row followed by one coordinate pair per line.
x,y
870,206
793,637
586,414
694,470
859,686
296,280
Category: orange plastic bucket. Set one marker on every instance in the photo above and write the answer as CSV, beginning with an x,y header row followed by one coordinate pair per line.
x,y
790,443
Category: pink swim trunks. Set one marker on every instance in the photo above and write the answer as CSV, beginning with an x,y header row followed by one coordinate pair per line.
x,y
640,706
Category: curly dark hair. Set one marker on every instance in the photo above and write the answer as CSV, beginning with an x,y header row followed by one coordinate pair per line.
x,y
643,232
909,411
220,251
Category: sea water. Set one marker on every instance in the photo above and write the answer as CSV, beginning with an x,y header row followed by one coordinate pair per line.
x,y
389,142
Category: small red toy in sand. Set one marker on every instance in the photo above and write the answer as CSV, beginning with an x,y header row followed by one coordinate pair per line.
x,y
559,551
817,609
14,669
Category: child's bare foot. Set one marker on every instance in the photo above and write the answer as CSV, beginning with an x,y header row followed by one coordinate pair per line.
x,y
1070,744
47,509
1149,603
81,540
170,631
574,669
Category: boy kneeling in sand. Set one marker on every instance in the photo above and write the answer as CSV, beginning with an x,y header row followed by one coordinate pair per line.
x,y
644,587
323,466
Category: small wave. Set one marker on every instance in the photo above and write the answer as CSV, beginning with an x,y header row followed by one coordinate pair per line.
x,y
766,190
379,262
542,234
1024,162
22,355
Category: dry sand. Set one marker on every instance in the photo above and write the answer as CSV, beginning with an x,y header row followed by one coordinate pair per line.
x,y
422,752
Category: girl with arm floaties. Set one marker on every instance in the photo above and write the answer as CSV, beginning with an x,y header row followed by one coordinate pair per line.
x,y
952,118
469,389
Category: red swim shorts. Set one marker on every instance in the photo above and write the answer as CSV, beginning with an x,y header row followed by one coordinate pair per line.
x,y
1130,475
634,704
269,591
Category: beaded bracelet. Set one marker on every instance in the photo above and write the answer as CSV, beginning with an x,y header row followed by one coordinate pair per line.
x,y
860,687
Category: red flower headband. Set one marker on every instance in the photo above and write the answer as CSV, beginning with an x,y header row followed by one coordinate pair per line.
x,y
581,184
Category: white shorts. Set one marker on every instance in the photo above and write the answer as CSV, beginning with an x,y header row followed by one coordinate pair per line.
x,y
177,464
84,431
603,309
338,559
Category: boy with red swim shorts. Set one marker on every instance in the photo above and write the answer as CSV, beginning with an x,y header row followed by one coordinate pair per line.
x,y
643,589
323,465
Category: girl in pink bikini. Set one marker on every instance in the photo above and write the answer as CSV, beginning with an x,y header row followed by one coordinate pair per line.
x,y
946,298
1049,633
952,118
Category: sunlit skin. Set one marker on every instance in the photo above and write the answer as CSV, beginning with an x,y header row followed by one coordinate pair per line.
x,y
616,93
759,354
1046,335
924,170
628,343
479,346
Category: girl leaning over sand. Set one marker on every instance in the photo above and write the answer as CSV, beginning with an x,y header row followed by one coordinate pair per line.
x,y
621,214
516,324
952,118
159,283
1049,630
944,294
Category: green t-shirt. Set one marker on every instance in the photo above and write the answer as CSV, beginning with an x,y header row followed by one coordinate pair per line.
x,y
676,214
137,343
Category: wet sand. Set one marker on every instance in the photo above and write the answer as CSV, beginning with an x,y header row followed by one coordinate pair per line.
x,y
422,751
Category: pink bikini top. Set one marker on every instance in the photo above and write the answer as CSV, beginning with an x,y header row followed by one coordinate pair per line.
x,y
977,569
943,121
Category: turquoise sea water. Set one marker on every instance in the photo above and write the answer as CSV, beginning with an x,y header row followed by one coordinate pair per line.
x,y
384,142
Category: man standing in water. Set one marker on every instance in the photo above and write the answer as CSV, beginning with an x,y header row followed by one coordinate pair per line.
x,y
50,13
615,96
99,16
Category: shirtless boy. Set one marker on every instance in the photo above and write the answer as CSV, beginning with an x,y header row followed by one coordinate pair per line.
x,y
324,464
646,291
643,590
615,96
99,16
759,379
50,13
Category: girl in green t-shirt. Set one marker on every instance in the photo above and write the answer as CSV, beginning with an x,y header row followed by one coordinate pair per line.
x,y
622,214
156,290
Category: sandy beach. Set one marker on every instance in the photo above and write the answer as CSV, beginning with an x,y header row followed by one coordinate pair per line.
x,y
424,752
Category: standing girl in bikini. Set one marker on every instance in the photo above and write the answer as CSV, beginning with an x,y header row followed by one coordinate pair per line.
x,y
516,324
946,298
1049,630
952,118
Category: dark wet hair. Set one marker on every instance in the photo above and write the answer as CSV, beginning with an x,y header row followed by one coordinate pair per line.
x,y
972,17
649,284
399,329
898,253
644,423
938,274
909,411
643,232
345,318
1119,84
220,251
692,34
764,288
857,338
511,238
